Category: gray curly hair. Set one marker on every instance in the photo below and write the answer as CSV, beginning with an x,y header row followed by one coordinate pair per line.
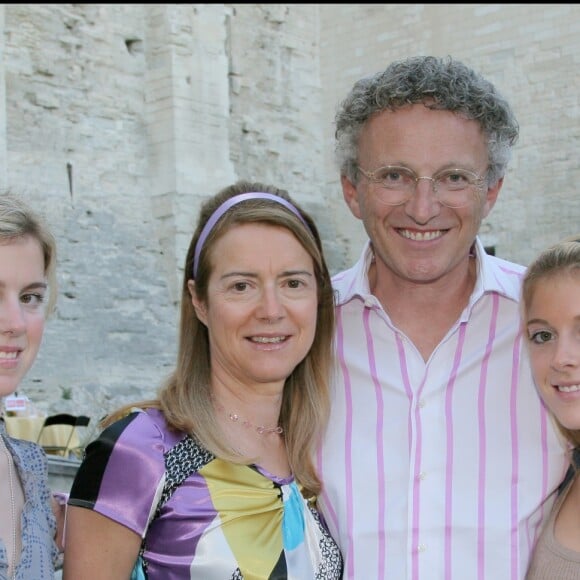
x,y
438,83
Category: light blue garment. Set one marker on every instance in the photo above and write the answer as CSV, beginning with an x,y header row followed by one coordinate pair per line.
x,y
138,573
293,522
39,552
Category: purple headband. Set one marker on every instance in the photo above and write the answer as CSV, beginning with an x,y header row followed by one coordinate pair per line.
x,y
225,206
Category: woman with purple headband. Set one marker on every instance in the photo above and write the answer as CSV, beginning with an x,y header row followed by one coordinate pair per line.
x,y
214,479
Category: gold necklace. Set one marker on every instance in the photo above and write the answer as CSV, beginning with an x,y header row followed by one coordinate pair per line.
x,y
235,418
12,506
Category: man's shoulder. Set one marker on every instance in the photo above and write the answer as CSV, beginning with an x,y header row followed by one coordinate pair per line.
x,y
353,281
349,283
339,278
501,276
506,266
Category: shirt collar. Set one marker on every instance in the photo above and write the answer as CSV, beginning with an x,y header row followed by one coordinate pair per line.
x,y
493,275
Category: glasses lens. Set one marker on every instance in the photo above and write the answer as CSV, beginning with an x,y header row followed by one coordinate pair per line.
x,y
456,187
397,184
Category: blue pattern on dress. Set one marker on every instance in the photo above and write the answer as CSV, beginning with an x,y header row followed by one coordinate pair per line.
x,y
293,521
39,552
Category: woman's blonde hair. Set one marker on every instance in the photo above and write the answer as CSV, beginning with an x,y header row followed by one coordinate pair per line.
x,y
185,398
18,220
561,259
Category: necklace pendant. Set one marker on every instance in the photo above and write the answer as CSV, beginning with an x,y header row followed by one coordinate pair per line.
x,y
261,430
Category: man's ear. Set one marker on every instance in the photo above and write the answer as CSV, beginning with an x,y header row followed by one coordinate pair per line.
x,y
350,194
491,197
198,305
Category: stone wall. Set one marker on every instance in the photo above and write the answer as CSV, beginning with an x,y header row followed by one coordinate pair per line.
x,y
530,51
116,120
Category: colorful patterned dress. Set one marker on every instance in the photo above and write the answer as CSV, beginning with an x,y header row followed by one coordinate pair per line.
x,y
216,521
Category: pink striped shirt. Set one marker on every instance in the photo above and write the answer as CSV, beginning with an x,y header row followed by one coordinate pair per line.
x,y
441,469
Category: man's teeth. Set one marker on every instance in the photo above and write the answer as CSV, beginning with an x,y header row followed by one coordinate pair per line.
x,y
421,236
266,339
569,388
8,354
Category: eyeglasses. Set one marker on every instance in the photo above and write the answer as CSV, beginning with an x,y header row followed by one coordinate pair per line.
x,y
452,187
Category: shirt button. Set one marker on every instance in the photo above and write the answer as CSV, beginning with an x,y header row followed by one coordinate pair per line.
x,y
422,403
422,475
422,548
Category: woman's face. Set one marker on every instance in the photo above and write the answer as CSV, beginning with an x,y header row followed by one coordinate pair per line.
x,y
553,331
23,289
262,305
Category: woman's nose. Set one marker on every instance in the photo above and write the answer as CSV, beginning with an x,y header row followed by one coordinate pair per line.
x,y
271,306
567,353
12,320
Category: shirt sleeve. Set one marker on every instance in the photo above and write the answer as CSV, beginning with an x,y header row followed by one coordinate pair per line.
x,y
123,472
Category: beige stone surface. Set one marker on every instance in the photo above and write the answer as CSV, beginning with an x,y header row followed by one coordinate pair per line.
x,y
116,120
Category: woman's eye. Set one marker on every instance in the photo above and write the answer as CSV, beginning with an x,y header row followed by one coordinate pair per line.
x,y
33,299
240,286
541,336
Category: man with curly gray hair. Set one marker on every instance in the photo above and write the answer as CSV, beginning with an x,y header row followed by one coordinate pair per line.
x,y
439,461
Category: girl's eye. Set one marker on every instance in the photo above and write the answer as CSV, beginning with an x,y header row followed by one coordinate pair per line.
x,y
33,299
541,336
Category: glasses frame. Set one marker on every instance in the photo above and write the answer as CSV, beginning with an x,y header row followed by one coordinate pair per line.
x,y
478,184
